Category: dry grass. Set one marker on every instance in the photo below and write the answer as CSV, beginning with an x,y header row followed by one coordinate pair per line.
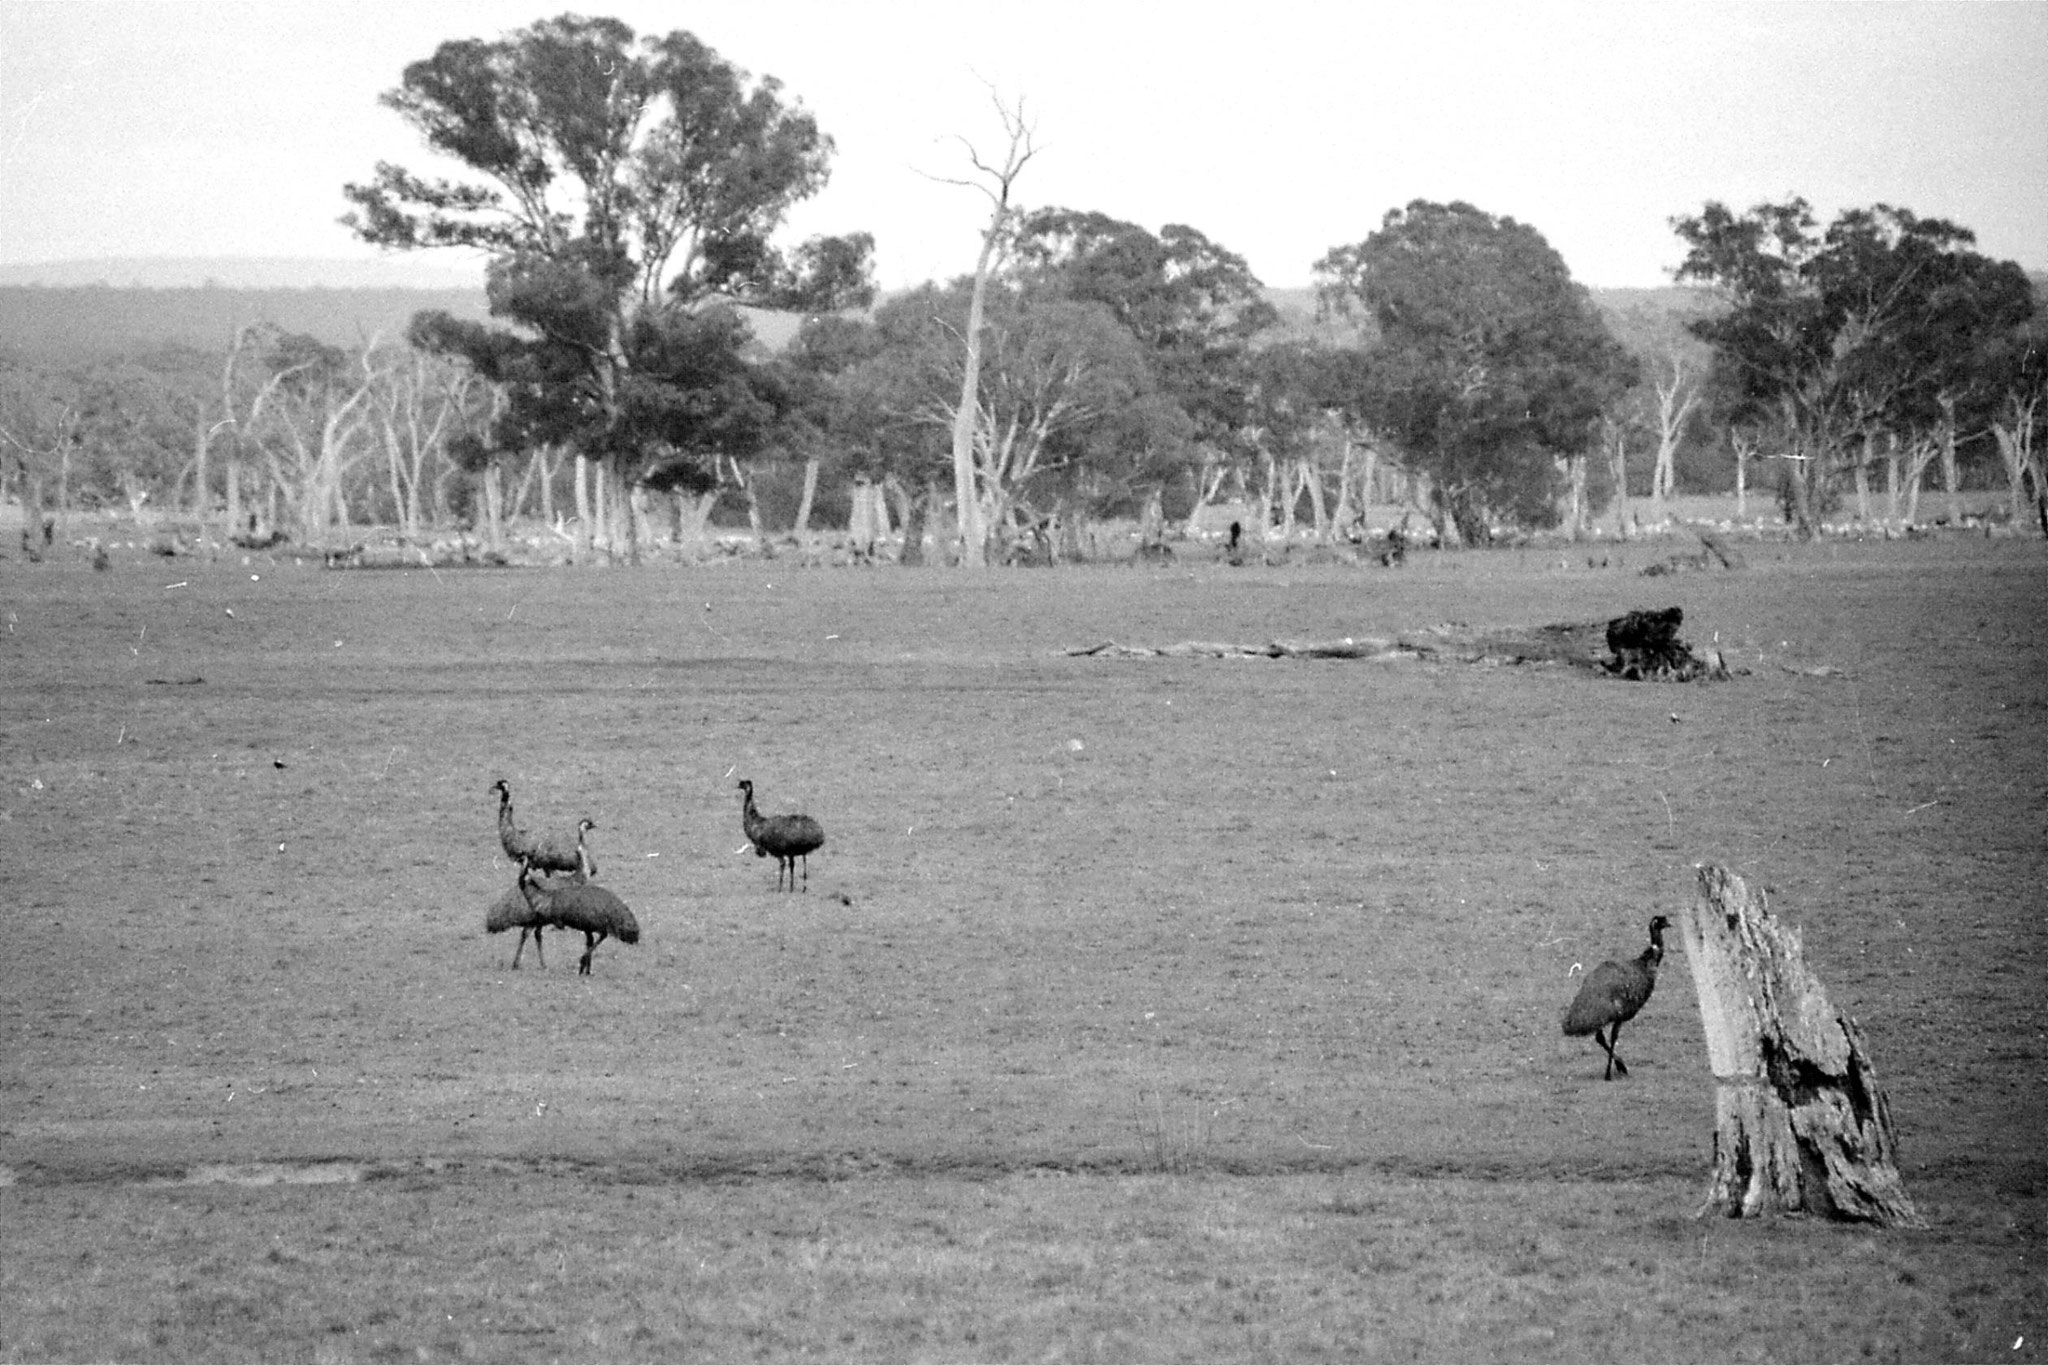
x,y
548,1264
1229,1034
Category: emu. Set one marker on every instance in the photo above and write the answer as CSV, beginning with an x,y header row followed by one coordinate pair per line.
x,y
1613,993
787,837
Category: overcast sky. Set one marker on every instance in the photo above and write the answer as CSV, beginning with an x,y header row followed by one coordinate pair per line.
x,y
1278,128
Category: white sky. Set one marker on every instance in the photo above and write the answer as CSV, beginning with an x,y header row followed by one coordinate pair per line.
x,y
1279,128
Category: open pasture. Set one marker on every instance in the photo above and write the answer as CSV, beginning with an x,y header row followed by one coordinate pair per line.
x,y
1138,1010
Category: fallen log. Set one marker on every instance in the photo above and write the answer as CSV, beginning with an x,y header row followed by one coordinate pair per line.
x,y
1638,646
1347,648
1800,1122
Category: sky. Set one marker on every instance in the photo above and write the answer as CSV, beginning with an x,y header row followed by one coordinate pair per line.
x,y
1279,129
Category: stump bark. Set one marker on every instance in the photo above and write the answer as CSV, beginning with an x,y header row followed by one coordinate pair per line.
x,y
1800,1122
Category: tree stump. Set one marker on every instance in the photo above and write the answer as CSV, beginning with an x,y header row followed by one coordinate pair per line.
x,y
1800,1122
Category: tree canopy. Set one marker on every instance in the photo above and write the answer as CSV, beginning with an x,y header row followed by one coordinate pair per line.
x,y
1067,405
1492,364
627,189
1194,306
1884,324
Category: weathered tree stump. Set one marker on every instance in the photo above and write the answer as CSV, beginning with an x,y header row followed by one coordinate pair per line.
x,y
1645,644
1800,1122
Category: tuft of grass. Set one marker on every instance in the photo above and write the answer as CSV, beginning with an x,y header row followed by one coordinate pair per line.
x,y
1175,1137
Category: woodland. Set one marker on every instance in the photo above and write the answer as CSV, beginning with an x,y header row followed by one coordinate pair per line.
x,y
648,364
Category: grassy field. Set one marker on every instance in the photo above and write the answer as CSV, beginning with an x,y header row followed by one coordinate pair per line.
x,y
1139,1009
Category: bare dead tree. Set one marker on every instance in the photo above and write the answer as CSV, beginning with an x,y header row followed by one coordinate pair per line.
x,y
2014,432
1678,396
995,180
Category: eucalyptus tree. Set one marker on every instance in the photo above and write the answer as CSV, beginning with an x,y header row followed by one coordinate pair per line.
x,y
1873,330
1066,414
1492,365
627,191
1195,306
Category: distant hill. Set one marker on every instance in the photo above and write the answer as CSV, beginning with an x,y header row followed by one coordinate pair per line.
x,y
84,322
74,322
80,309
239,272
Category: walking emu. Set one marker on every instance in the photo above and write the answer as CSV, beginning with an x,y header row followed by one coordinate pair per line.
x,y
544,853
788,837
1612,995
588,909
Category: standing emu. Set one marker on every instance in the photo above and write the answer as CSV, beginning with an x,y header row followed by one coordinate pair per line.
x,y
1612,994
588,909
544,853
788,837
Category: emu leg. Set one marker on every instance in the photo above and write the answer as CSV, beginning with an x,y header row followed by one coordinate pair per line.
x,y
590,942
807,872
1614,1061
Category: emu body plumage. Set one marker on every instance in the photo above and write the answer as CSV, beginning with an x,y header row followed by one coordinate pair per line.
x,y
543,853
785,837
514,911
1613,994
584,907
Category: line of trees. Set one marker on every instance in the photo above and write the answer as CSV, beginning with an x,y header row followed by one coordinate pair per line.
x,y
629,191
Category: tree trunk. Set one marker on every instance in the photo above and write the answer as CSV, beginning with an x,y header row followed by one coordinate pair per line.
x,y
754,522
643,526
1891,479
803,507
1268,491
2015,437
583,526
1341,516
1312,475
1662,477
625,533
1950,473
494,507
1800,1122
1744,453
1617,466
1575,497
911,510
31,512
692,514
868,522
1152,519
1862,477
967,499
1073,543
202,502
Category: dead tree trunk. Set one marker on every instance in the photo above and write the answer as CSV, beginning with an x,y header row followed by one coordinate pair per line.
x,y
1800,1122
